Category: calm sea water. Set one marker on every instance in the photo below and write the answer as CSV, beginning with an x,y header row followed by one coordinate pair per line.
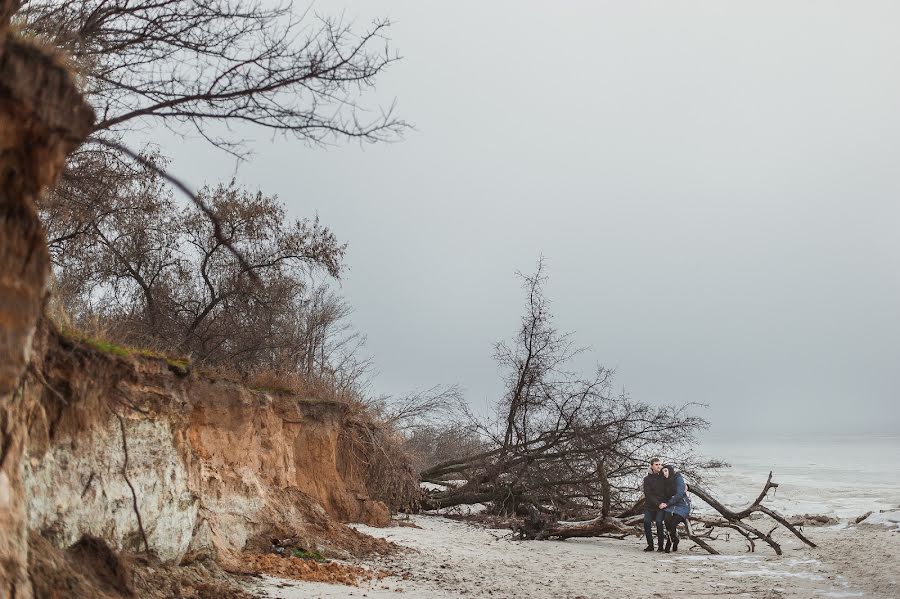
x,y
839,475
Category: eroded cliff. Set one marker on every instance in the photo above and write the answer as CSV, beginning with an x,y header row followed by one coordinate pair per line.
x,y
140,454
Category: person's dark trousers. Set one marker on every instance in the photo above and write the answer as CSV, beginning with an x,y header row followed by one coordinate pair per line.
x,y
649,517
672,521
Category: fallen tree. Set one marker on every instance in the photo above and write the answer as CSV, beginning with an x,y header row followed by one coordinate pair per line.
x,y
563,448
561,444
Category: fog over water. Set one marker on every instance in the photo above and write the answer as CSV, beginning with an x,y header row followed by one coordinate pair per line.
x,y
714,187
836,474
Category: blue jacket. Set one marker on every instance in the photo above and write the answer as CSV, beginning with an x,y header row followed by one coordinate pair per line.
x,y
679,503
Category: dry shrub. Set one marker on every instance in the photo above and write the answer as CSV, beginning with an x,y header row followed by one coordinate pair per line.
x,y
294,383
388,470
94,334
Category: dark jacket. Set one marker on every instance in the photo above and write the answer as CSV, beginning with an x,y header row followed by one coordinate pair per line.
x,y
654,490
675,496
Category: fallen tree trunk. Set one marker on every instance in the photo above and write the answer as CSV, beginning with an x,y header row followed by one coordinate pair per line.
x,y
598,527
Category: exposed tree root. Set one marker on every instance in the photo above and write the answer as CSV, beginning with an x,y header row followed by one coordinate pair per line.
x,y
137,512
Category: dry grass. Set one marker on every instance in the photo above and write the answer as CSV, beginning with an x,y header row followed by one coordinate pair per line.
x,y
292,383
278,382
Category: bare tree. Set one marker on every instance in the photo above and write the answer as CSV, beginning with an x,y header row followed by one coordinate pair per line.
x,y
152,273
203,67
565,447
158,275
96,184
190,63
220,300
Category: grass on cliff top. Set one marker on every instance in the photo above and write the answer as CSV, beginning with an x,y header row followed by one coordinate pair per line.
x,y
123,351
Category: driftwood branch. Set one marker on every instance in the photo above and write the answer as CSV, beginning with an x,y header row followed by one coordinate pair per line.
x,y
697,539
734,519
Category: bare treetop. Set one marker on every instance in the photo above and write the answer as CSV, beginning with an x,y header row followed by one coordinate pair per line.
x,y
190,63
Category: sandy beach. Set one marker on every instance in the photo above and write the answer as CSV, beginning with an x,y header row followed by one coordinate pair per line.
x,y
448,558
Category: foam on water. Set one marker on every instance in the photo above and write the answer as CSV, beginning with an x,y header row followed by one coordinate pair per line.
x,y
838,475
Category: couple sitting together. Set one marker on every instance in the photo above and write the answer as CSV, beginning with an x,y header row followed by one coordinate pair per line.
x,y
665,493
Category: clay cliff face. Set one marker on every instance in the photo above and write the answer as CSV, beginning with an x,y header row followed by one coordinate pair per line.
x,y
211,466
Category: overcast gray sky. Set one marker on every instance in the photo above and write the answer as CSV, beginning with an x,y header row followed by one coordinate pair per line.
x,y
714,186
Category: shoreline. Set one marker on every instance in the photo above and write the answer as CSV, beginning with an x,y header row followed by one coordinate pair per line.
x,y
449,558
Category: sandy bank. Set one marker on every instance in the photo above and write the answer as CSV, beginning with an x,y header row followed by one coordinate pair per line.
x,y
452,559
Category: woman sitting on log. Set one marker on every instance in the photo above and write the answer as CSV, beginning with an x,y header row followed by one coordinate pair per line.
x,y
677,507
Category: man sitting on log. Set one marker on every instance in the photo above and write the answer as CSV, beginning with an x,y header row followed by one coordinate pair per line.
x,y
654,495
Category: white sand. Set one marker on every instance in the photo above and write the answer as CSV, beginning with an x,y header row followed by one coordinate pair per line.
x,y
453,559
